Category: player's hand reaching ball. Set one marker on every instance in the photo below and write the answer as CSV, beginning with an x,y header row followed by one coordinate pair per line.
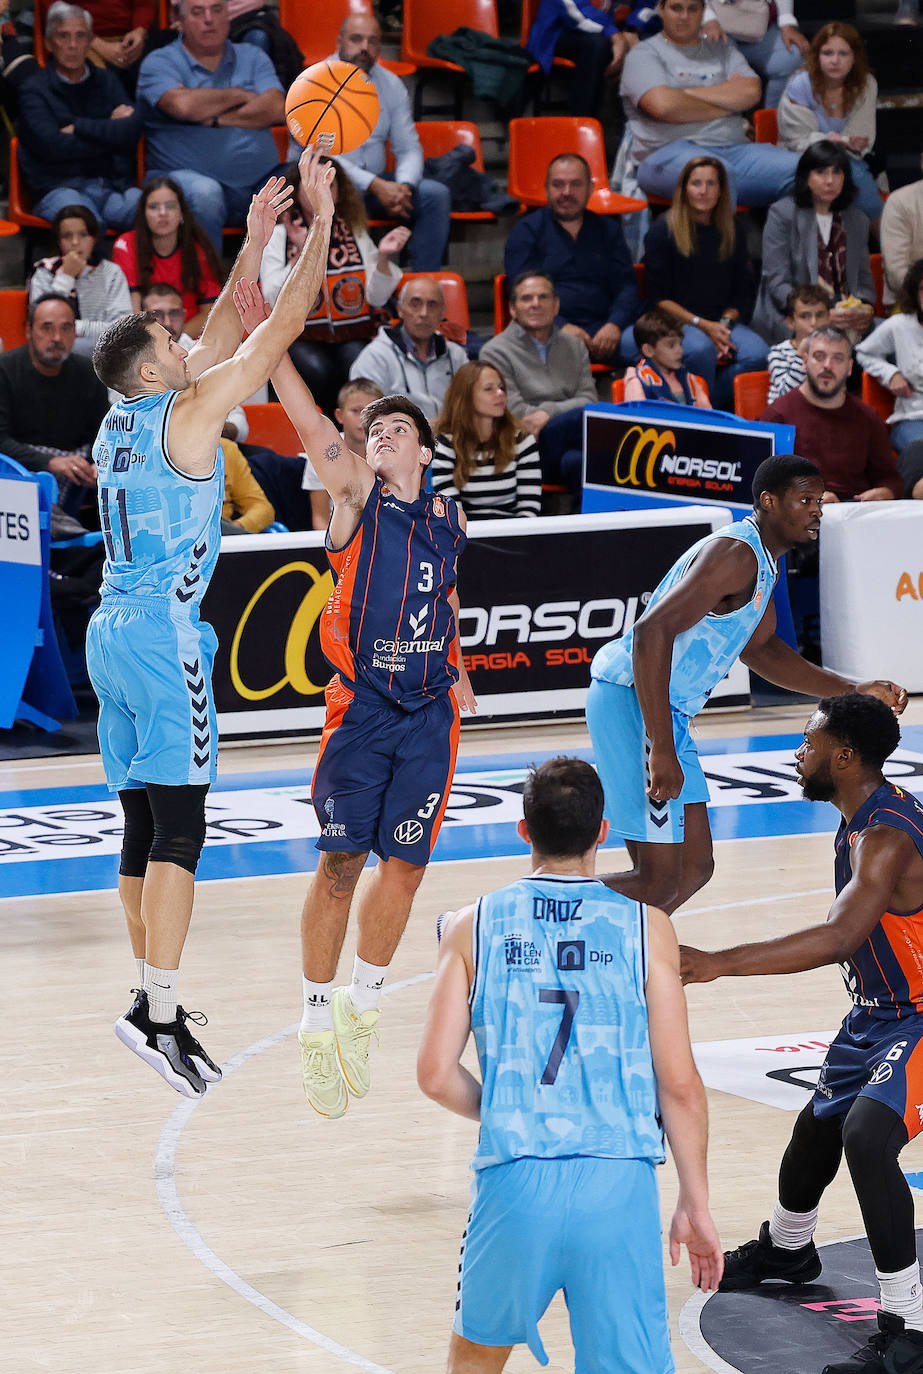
x,y
265,208
317,181
888,692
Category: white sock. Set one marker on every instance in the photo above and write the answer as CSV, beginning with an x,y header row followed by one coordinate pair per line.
x,y
791,1230
316,1014
902,1295
160,986
142,967
365,989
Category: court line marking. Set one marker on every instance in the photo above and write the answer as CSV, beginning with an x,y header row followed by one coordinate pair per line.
x,y
690,1321
168,1195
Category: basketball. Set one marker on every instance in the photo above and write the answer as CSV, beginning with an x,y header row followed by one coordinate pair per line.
x,y
333,104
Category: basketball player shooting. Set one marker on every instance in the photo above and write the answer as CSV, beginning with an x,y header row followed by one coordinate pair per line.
x,y
390,633
149,657
867,1100
713,606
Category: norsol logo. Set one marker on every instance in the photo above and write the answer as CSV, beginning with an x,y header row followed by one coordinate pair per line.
x,y
907,587
294,656
630,454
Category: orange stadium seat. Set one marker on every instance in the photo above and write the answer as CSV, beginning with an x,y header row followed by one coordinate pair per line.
x,y
877,396
765,126
876,263
618,387
454,292
425,20
535,141
751,390
270,427
316,27
13,306
438,136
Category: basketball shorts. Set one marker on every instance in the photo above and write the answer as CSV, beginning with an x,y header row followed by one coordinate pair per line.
x,y
588,1226
383,775
153,677
871,1057
621,749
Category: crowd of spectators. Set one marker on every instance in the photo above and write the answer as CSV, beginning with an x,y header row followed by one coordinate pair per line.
x,y
718,292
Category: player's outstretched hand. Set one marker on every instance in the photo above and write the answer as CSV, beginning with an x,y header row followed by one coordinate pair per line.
x,y
316,180
695,965
695,1229
888,692
463,692
666,775
265,208
251,307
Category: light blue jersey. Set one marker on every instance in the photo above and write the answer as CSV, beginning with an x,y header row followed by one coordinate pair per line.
x,y
162,527
705,652
559,1018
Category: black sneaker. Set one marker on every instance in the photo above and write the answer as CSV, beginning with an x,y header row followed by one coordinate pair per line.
x,y
159,1045
207,1068
758,1260
892,1350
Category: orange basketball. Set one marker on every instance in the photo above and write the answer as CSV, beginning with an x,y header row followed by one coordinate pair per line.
x,y
333,104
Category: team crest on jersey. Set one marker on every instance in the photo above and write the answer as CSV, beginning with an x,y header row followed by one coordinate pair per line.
x,y
438,506
521,952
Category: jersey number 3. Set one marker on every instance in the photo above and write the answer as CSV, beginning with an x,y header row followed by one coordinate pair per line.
x,y
570,1001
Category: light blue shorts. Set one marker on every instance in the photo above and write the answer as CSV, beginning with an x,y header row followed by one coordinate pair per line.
x,y
621,748
153,677
588,1226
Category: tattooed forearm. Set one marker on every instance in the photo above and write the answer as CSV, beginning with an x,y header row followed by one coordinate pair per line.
x,y
332,452
343,872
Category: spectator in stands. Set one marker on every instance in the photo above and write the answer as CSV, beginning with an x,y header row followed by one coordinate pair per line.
x,y
413,358
404,194
684,96
901,235
78,136
697,269
483,458
360,279
168,245
585,32
585,255
817,235
660,374
245,509
208,107
893,355
548,377
166,305
77,271
120,30
51,402
847,440
257,22
775,54
807,309
352,399
834,98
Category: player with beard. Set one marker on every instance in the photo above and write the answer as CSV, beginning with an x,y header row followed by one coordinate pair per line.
x,y
847,440
149,657
713,606
866,1103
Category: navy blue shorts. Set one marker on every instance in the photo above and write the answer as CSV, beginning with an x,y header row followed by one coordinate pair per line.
x,y
871,1057
383,775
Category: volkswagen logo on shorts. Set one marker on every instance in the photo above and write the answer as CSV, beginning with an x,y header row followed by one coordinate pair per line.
x,y
881,1073
408,832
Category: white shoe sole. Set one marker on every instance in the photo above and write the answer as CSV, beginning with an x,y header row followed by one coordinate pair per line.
x,y
205,1073
137,1041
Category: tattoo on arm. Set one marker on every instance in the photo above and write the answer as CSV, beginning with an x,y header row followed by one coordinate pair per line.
x,y
332,452
343,871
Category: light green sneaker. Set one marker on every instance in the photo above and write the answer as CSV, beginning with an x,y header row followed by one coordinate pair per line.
x,y
323,1083
353,1031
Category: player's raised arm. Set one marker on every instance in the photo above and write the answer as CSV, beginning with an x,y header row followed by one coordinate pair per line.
x,y
440,1072
879,858
682,1106
463,691
725,568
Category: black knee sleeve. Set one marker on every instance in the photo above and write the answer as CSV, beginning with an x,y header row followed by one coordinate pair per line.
x,y
873,1137
179,824
138,834
811,1161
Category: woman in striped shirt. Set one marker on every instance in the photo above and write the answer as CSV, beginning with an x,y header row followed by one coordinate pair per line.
x,y
482,458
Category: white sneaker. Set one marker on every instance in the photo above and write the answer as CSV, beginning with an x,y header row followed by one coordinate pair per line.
x,y
353,1031
323,1083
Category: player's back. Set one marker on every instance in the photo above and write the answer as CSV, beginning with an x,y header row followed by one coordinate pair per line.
x,y
559,1017
705,652
161,527
388,626
884,976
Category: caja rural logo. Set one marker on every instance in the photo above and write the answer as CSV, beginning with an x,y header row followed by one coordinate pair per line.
x,y
647,457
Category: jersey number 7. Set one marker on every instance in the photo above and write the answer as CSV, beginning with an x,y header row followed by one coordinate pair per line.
x,y
570,1001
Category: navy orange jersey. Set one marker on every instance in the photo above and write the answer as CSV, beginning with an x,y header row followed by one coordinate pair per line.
x,y
388,624
885,974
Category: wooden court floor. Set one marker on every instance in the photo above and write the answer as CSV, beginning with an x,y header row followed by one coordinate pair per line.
x,y
244,1233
